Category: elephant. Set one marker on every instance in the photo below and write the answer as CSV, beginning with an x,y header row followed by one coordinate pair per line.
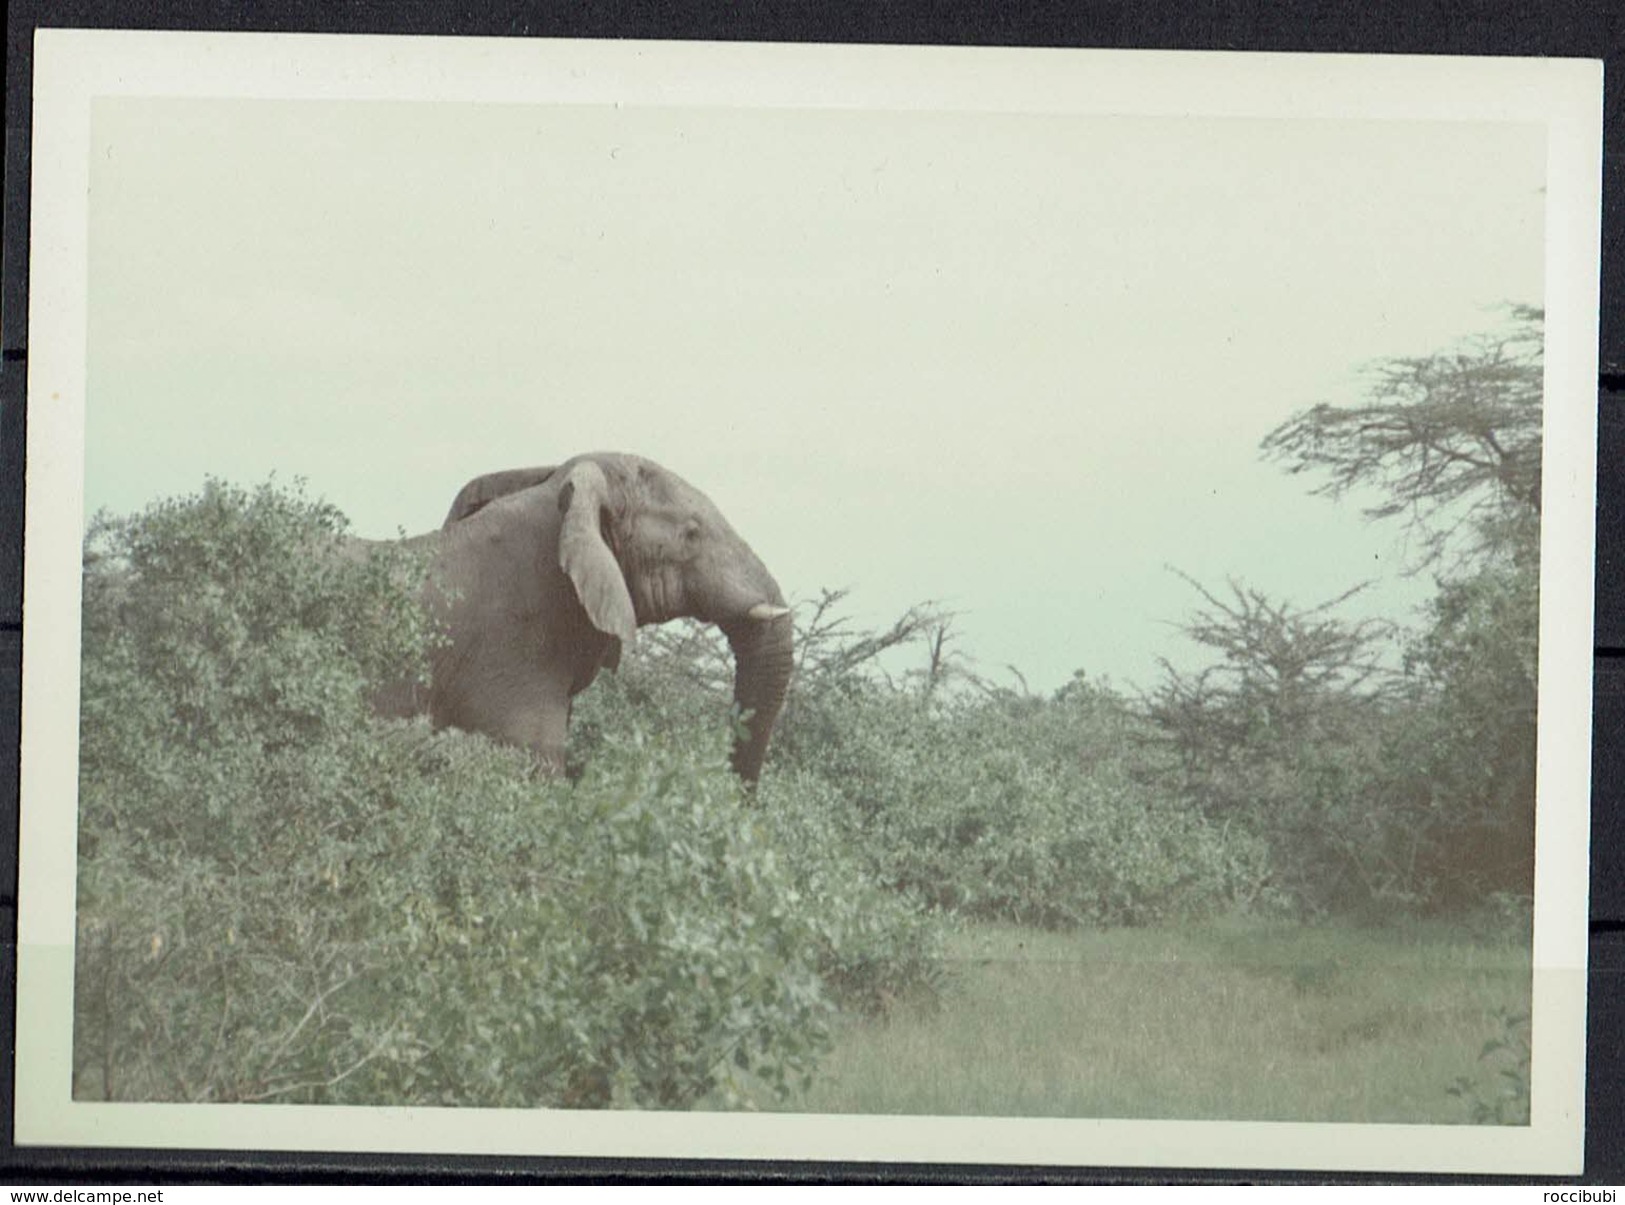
x,y
540,576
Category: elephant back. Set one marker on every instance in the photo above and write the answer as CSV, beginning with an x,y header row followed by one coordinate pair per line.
x,y
483,490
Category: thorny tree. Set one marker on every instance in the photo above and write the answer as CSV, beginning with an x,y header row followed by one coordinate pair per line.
x,y
1452,440
1412,785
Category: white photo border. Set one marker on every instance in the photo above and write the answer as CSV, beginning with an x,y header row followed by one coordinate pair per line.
x,y
72,67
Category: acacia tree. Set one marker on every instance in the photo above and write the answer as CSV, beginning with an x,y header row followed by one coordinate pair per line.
x,y
1453,443
1451,440
1280,663
1275,735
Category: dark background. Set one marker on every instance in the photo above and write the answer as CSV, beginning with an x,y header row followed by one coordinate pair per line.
x,y
1550,28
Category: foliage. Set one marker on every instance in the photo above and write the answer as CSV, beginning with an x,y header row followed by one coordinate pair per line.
x,y
1002,805
1452,440
233,615
1384,769
283,899
873,947
1051,824
1375,789
831,648
942,788
1462,765
675,678
1504,1101
1282,735
1278,663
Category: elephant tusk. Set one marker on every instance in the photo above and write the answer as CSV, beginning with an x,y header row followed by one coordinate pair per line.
x,y
765,611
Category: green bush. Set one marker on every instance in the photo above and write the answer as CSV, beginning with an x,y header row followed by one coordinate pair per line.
x,y
632,940
1498,1091
1466,771
875,948
951,794
674,678
872,947
1435,810
282,898
1377,791
1041,811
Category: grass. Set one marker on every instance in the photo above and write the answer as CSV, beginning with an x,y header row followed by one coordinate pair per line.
x,y
1232,1021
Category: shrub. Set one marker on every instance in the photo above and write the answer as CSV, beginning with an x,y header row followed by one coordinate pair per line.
x,y
632,940
1498,1092
1041,811
1465,775
282,898
950,793
872,946
1442,817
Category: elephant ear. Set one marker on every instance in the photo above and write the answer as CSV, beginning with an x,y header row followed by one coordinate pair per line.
x,y
588,561
482,491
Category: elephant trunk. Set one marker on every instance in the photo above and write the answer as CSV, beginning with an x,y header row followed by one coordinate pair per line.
x,y
764,653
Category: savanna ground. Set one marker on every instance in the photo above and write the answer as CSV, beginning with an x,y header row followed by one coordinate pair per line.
x,y
1235,1021
1294,883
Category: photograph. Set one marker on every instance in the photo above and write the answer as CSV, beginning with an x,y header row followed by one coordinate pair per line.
x,y
808,602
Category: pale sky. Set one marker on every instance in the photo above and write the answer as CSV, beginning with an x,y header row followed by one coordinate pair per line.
x,y
1015,364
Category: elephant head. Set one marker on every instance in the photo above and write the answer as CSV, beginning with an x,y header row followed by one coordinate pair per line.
x,y
545,573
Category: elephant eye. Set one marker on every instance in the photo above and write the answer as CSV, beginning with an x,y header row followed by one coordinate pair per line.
x,y
691,531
